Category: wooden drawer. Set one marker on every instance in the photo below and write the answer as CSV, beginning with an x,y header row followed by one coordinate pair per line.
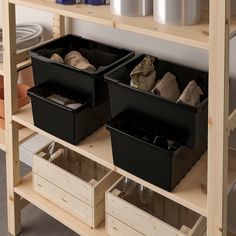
x,y
89,215
75,174
167,217
117,228
73,182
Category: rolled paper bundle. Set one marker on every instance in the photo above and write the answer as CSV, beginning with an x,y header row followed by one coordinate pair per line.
x,y
57,58
191,94
143,75
75,59
167,87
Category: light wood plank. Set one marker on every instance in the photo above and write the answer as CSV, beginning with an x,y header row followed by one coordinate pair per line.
x,y
25,190
148,224
11,106
196,36
58,26
218,117
117,228
66,201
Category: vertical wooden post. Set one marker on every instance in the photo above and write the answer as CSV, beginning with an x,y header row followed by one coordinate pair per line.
x,y
218,117
10,94
58,26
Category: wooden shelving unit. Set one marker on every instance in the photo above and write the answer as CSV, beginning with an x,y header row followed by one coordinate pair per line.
x,y
218,166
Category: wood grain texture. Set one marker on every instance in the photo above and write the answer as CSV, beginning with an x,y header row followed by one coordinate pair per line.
x,y
25,190
148,224
11,105
218,117
195,36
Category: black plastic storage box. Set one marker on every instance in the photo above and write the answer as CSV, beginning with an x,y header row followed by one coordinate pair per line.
x,y
102,56
191,119
140,146
71,125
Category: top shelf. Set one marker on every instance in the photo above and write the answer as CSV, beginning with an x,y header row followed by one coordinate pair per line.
x,y
194,36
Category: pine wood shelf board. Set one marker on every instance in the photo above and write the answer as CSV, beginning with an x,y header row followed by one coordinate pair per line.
x,y
195,36
96,147
1,68
24,133
26,191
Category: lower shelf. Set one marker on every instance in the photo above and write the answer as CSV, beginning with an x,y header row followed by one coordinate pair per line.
x,y
190,192
26,191
23,134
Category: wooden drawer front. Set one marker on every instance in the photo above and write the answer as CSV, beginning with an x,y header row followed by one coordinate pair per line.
x,y
63,179
144,222
89,215
91,193
117,228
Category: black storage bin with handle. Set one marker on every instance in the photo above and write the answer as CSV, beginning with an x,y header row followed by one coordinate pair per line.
x,y
102,56
71,125
151,150
192,119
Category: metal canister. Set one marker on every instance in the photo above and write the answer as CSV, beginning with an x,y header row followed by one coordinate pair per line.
x,y
177,12
132,7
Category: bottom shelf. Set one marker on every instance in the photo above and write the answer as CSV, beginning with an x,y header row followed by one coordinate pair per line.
x,y
23,134
26,191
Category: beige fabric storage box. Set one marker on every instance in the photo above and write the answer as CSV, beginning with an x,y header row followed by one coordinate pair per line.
x,y
74,183
124,217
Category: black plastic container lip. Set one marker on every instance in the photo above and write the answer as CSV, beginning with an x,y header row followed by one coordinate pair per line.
x,y
85,102
108,78
111,126
101,69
